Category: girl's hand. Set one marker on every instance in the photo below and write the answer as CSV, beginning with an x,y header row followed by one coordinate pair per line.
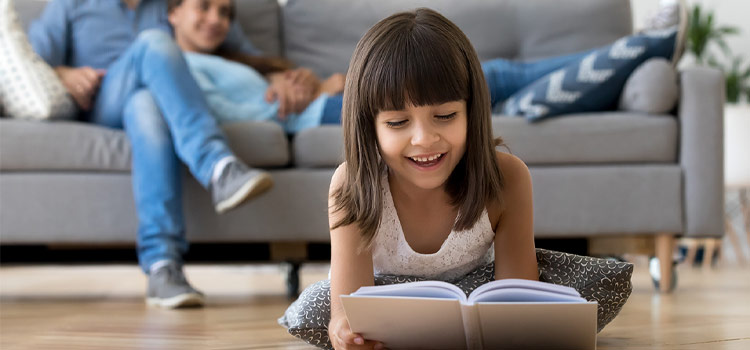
x,y
342,337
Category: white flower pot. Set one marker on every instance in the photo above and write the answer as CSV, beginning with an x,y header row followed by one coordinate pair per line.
x,y
737,145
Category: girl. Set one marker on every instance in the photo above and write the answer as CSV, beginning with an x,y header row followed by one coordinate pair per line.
x,y
242,87
423,191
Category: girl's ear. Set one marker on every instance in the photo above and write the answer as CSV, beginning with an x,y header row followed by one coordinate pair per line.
x,y
174,16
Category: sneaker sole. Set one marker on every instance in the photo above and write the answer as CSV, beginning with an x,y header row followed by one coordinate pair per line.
x,y
250,189
679,45
182,300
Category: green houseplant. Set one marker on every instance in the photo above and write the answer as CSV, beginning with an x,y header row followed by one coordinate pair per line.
x,y
702,31
737,78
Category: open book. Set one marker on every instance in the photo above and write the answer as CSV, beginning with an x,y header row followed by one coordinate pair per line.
x,y
503,314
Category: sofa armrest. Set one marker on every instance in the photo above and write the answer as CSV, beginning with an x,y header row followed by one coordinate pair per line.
x,y
701,116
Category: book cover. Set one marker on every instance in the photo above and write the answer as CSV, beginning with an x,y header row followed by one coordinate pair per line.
x,y
503,314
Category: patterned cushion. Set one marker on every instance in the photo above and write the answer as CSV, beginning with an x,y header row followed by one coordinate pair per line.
x,y
605,281
29,88
592,83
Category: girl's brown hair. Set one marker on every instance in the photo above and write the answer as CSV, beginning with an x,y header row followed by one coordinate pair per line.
x,y
418,58
173,4
263,65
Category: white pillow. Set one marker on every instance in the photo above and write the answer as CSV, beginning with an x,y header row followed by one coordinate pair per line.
x,y
29,88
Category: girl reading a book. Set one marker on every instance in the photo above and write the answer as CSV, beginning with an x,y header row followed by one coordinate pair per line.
x,y
423,192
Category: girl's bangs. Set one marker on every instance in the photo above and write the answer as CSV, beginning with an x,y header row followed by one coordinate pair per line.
x,y
414,67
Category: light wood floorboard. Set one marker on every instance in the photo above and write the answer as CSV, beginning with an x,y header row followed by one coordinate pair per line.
x,y
101,307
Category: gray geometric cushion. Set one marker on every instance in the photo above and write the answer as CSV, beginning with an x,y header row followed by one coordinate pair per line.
x,y
602,280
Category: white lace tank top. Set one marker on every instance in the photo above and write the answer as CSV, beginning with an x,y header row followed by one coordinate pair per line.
x,y
461,253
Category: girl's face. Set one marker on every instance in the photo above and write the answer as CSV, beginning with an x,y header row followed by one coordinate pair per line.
x,y
201,25
423,145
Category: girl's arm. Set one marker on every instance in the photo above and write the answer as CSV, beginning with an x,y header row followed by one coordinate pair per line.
x,y
350,270
515,256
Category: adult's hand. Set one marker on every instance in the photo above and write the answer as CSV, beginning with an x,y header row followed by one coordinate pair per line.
x,y
294,89
343,338
82,83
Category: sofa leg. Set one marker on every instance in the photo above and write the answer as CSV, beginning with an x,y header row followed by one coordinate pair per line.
x,y
664,250
292,279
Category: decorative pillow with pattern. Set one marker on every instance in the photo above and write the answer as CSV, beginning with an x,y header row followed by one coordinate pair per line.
x,y
602,280
29,88
594,82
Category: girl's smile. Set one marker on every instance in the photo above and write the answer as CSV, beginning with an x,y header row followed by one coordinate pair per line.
x,y
423,144
427,162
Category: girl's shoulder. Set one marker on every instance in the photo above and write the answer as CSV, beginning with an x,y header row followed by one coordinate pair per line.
x,y
511,167
516,183
337,180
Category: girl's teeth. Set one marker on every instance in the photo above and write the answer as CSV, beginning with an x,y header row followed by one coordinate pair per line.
x,y
426,159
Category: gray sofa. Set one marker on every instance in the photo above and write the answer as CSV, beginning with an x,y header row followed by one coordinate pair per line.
x,y
608,173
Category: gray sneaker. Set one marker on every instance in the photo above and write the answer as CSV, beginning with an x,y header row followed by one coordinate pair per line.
x,y
672,14
236,184
168,288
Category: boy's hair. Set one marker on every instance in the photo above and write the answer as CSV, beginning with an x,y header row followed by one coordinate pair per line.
x,y
173,4
418,58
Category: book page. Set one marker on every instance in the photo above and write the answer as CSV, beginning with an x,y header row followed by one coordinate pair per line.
x,y
509,290
409,323
422,289
510,295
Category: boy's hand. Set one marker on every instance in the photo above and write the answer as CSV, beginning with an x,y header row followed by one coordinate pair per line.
x,y
342,337
82,83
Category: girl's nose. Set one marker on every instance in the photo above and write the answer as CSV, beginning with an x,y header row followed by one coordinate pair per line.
x,y
213,16
424,135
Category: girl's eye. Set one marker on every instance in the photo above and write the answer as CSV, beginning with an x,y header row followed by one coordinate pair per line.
x,y
395,124
446,117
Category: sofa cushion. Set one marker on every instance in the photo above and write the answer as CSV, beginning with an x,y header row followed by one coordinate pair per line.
x,y
652,88
26,145
611,137
606,137
508,29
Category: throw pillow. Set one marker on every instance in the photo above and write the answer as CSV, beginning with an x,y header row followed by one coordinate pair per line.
x,y
29,88
652,88
605,281
592,83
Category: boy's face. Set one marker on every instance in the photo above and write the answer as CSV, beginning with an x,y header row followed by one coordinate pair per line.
x,y
201,25
423,145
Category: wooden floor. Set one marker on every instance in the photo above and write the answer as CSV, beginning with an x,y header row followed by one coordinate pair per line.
x,y
101,307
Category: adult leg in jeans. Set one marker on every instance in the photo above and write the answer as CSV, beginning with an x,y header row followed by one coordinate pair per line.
x,y
506,77
157,188
157,194
155,62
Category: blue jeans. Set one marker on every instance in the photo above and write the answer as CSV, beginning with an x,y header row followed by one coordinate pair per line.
x,y
505,77
150,92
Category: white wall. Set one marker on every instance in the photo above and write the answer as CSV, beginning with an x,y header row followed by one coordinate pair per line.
x,y
726,12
